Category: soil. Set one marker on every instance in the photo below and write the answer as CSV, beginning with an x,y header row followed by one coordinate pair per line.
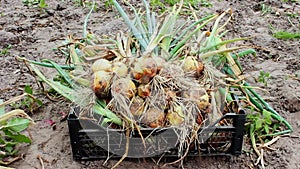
x,y
34,33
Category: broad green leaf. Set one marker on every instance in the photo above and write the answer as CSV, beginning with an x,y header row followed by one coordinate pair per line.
x,y
267,117
9,149
17,124
258,124
275,127
21,138
1,139
38,102
267,129
17,137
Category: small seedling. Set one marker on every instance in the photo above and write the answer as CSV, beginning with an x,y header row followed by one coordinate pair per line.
x,y
193,3
263,77
29,102
286,35
42,4
89,4
5,51
39,3
30,2
265,9
11,125
108,4
260,124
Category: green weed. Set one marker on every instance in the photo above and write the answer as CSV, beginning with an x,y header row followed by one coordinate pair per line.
x,y
261,127
5,51
194,3
286,35
29,102
39,3
263,77
265,9
11,125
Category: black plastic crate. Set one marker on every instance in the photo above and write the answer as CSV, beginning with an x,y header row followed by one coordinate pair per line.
x,y
89,141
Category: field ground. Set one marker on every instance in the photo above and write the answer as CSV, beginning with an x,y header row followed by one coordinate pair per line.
x,y
33,33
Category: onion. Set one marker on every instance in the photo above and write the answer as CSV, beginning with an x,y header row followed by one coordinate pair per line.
x,y
144,90
137,106
170,95
190,64
124,86
101,65
102,83
199,119
171,71
144,69
120,69
199,95
199,70
175,115
153,117
160,62
149,67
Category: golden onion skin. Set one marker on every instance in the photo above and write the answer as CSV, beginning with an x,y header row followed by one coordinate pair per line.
x,y
175,116
190,64
153,117
137,106
120,69
101,84
124,86
101,65
199,95
145,68
144,90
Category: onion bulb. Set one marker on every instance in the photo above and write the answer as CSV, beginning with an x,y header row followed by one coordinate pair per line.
x,y
101,65
171,71
120,69
175,115
124,86
190,64
199,95
144,69
199,119
160,62
153,117
137,106
144,90
102,83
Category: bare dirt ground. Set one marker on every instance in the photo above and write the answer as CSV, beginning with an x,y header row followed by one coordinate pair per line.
x,y
34,33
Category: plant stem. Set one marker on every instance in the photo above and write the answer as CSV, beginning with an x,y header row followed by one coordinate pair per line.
x,y
268,107
67,67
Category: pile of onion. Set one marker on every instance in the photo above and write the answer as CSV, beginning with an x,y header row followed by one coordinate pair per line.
x,y
152,92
